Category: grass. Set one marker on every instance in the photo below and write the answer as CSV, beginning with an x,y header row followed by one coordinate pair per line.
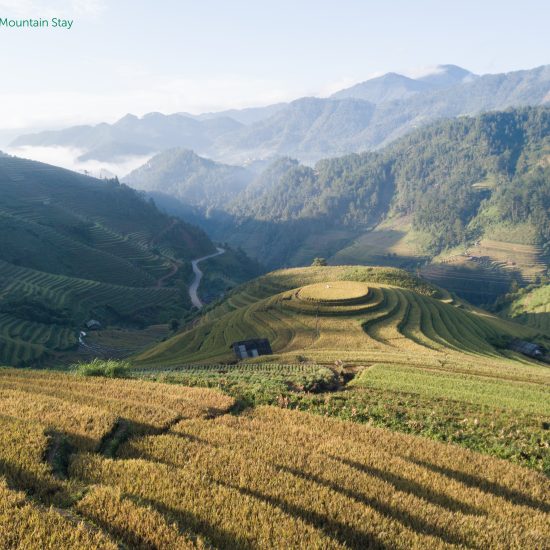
x,y
249,384
109,368
470,388
532,307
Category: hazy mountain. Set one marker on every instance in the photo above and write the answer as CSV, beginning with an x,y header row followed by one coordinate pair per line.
x,y
388,87
196,181
393,86
312,128
135,136
244,116
308,128
445,76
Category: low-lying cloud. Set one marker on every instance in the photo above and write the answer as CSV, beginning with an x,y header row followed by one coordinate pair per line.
x,y
67,157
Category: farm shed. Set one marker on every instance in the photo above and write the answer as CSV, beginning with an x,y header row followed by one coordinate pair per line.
x,y
527,348
92,324
251,348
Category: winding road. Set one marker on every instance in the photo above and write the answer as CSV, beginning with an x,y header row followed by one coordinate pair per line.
x,y
194,286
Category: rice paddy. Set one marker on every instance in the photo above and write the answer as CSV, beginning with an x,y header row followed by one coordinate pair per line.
x,y
148,465
355,315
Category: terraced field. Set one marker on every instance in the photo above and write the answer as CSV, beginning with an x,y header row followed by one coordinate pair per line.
x,y
484,272
367,319
76,248
41,312
96,463
392,243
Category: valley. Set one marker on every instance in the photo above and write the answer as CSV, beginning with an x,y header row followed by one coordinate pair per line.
x,y
284,314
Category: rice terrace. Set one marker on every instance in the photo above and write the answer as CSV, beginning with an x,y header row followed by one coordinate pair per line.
x,y
274,275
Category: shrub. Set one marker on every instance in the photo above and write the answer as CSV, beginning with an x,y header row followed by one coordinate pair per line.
x,y
108,368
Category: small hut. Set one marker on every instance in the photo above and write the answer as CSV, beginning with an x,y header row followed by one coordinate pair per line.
x,y
92,324
527,348
251,348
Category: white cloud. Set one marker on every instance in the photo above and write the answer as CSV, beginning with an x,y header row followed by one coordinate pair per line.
x,y
419,72
51,8
67,157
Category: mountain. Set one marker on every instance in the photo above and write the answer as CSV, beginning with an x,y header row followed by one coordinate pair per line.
x,y
133,136
245,116
445,76
388,87
488,176
310,129
191,179
75,248
393,86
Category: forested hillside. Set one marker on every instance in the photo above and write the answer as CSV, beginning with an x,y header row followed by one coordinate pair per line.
x,y
453,182
197,181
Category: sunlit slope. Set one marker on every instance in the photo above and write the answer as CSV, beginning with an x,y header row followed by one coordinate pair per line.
x,y
354,314
532,307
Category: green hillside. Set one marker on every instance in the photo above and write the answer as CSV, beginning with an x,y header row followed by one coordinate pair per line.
x,y
441,164
530,306
194,180
75,248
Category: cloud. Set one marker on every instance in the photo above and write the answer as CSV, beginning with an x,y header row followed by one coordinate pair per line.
x,y
51,8
419,72
67,157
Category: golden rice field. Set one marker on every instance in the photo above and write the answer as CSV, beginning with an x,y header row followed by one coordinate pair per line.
x,y
188,473
274,478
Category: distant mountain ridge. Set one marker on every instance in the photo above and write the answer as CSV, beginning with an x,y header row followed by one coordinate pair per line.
x,y
361,118
393,86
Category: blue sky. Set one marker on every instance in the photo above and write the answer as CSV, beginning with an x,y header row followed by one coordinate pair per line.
x,y
139,56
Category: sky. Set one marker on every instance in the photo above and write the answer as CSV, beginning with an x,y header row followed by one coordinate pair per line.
x,y
170,56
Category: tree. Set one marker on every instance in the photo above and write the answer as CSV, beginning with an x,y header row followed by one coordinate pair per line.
x,y
317,262
174,325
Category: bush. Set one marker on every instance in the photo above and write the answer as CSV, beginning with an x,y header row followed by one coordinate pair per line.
x,y
319,262
108,368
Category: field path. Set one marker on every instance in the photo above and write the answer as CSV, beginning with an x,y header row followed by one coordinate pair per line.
x,y
173,270
194,286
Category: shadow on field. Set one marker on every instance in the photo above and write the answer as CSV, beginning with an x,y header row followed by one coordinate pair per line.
x,y
414,488
191,524
476,482
408,520
340,532
45,489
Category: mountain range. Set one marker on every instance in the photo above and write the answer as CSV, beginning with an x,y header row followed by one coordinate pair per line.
x,y
364,117
451,183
